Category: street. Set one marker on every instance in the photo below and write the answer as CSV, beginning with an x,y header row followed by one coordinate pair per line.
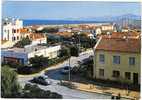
x,y
55,76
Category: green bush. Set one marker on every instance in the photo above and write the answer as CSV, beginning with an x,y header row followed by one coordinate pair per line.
x,y
23,42
10,88
33,91
35,69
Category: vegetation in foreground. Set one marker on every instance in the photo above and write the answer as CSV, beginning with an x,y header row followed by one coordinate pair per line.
x,y
9,84
10,88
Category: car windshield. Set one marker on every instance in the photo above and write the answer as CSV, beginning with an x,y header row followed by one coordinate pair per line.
x,y
40,77
66,68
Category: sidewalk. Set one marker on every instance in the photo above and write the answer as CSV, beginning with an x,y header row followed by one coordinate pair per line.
x,y
107,90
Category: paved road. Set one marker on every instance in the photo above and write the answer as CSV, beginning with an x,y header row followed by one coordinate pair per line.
x,y
66,92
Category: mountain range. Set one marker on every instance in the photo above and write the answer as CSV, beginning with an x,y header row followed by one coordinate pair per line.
x,y
108,18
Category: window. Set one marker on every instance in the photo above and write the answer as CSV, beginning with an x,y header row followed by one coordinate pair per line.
x,y
14,38
17,30
131,60
101,58
101,72
13,31
116,59
128,75
17,37
116,74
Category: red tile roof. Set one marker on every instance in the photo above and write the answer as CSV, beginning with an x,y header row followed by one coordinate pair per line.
x,y
119,45
35,36
121,35
65,34
24,30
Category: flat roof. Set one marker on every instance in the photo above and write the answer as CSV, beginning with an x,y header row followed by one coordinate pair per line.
x,y
27,49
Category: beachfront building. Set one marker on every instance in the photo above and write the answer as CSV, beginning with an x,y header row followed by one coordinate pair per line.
x,y
117,59
13,31
22,55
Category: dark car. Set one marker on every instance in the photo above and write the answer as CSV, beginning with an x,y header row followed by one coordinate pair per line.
x,y
66,70
39,80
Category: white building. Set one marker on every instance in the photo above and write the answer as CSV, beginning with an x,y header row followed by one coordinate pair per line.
x,y
22,55
11,29
98,30
107,27
104,28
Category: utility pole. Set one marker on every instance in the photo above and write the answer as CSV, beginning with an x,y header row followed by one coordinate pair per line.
x,y
79,41
69,70
69,65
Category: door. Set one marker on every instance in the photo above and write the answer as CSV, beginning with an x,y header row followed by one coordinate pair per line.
x,y
135,78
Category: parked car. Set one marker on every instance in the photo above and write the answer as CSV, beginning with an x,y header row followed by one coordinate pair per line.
x,y
44,76
66,70
39,80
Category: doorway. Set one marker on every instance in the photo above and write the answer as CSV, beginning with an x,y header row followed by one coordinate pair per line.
x,y
135,78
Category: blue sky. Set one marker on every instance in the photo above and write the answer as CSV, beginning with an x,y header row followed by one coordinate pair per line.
x,y
66,9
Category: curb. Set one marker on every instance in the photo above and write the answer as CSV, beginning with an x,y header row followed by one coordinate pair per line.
x,y
131,98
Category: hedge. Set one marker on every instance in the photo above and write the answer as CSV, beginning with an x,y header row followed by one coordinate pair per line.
x,y
31,69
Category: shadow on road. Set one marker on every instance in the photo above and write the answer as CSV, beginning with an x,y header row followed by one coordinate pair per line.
x,y
57,75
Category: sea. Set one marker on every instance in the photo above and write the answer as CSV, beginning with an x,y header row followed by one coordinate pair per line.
x,y
56,22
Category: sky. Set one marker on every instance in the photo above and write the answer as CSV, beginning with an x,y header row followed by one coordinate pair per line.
x,y
67,9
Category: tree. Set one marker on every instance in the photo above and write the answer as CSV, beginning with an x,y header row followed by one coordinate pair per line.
x,y
64,52
23,42
38,61
84,40
48,30
9,84
74,51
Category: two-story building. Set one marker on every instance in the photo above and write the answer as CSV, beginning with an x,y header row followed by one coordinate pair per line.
x,y
22,55
117,59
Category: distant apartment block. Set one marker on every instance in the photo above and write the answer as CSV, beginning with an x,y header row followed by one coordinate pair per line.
x,y
117,58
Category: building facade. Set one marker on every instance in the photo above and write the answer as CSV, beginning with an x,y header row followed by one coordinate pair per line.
x,y
11,29
117,60
22,55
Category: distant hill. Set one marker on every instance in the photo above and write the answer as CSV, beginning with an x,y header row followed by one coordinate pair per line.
x,y
108,18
